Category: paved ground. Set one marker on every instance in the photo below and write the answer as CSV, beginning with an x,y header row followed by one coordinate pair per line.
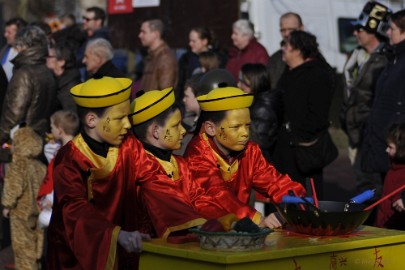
x,y
339,185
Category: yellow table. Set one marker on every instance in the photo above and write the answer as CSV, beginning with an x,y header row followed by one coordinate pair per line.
x,y
366,248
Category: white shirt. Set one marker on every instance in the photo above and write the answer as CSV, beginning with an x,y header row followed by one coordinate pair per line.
x,y
7,65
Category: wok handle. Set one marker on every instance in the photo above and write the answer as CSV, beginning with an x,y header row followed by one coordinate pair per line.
x,y
294,199
385,197
362,197
311,180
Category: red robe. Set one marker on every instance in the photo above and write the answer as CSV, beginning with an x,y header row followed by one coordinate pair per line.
x,y
213,201
47,185
249,170
95,197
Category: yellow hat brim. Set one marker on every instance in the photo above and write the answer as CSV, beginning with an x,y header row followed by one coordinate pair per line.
x,y
103,92
224,99
151,104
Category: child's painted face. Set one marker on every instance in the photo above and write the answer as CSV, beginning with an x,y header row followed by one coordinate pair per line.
x,y
190,101
112,127
172,133
233,132
391,149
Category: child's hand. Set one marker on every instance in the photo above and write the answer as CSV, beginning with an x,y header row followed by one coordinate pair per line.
x,y
49,138
399,205
6,212
46,204
132,241
50,150
272,221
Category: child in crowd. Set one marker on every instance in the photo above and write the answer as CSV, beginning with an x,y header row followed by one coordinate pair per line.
x,y
222,149
64,126
196,86
21,184
209,60
157,124
191,103
387,216
192,110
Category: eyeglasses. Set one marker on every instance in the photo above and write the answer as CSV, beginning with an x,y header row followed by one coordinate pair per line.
x,y
359,28
88,19
242,80
284,30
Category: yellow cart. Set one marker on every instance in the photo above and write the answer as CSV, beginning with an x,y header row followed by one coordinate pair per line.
x,y
366,248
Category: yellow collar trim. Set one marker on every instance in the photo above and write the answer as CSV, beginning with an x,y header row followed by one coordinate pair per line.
x,y
227,171
171,167
102,166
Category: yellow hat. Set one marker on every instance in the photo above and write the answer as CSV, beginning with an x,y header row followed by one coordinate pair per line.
x,y
151,104
101,92
224,99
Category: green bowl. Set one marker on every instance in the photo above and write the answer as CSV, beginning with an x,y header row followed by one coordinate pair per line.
x,y
232,241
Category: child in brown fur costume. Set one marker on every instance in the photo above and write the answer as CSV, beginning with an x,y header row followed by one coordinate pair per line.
x,y
21,184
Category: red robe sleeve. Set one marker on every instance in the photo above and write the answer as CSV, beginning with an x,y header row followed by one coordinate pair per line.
x,y
47,184
168,207
267,180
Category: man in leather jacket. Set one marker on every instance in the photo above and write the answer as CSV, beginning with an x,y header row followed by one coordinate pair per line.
x,y
361,72
31,92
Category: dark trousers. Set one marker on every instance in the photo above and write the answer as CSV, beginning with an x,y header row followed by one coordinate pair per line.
x,y
284,160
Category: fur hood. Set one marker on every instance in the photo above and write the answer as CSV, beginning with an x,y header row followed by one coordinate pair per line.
x,y
27,143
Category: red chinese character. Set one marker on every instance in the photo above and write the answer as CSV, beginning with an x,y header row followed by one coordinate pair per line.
x,y
342,261
333,261
297,267
378,259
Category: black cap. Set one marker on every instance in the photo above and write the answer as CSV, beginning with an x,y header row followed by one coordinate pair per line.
x,y
216,78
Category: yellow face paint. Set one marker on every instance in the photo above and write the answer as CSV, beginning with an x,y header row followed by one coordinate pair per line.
x,y
233,132
112,127
172,133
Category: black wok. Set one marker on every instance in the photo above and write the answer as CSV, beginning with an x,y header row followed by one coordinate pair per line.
x,y
329,219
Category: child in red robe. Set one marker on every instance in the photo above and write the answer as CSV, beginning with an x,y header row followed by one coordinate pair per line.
x,y
223,150
157,122
64,126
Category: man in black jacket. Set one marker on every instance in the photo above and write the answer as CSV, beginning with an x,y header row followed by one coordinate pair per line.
x,y
289,22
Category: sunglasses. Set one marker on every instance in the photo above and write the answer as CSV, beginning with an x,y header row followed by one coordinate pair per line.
x,y
88,19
